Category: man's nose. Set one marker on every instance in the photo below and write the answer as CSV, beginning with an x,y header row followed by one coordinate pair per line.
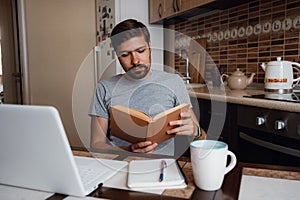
x,y
135,58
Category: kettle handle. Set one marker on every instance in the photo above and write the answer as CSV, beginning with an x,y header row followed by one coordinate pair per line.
x,y
296,80
295,63
221,78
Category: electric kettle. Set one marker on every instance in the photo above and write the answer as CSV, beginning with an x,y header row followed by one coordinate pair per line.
x,y
279,75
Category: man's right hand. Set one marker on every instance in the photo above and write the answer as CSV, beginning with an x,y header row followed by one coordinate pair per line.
x,y
143,147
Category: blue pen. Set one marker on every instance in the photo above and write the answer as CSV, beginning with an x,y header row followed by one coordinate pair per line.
x,y
162,169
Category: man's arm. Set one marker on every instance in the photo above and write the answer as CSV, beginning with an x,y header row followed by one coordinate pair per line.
x,y
99,127
196,122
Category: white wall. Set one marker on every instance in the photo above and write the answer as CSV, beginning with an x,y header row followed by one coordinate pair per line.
x,y
60,35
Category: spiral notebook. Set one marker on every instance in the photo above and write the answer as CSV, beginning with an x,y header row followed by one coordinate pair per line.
x,y
146,174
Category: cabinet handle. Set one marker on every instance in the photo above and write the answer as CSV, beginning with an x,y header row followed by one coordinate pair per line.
x,y
177,4
160,10
174,5
266,144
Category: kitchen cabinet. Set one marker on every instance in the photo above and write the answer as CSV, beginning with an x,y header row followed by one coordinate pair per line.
x,y
248,138
162,9
196,3
172,11
173,7
212,116
156,10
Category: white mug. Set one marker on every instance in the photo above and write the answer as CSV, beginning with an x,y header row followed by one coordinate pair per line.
x,y
209,159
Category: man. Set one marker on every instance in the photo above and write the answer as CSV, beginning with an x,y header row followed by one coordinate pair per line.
x,y
140,88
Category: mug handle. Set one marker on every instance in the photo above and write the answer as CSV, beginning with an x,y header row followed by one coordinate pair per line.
x,y
232,162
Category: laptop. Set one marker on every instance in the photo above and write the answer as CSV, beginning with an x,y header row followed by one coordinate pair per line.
x,y
35,153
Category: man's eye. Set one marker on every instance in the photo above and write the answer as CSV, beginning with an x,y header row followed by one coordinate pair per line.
x,y
141,50
124,54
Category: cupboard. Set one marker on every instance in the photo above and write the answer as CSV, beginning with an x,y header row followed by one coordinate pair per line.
x,y
172,11
162,9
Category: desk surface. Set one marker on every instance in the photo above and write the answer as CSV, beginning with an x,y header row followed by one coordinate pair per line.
x,y
229,190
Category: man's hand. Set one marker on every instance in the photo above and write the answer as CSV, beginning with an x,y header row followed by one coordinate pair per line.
x,y
186,125
143,147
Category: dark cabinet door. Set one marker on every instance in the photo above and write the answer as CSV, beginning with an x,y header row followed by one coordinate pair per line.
x,y
219,120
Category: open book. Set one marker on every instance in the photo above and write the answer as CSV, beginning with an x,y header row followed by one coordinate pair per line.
x,y
135,126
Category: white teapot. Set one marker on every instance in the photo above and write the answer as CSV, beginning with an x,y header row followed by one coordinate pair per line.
x,y
279,75
238,80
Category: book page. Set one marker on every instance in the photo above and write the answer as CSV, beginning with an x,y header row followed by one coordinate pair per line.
x,y
157,131
135,126
180,107
126,126
133,112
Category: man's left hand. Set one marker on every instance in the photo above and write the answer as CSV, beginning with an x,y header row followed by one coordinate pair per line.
x,y
185,126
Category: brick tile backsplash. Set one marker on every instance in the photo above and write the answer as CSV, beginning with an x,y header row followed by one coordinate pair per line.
x,y
246,35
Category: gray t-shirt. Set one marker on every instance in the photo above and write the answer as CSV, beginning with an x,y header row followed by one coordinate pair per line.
x,y
159,92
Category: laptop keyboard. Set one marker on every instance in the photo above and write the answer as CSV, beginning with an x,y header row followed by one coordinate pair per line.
x,y
88,175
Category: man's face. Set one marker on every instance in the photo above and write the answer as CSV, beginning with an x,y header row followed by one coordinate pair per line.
x,y
135,57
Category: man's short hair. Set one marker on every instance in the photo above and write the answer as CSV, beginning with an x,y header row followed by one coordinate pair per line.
x,y
128,29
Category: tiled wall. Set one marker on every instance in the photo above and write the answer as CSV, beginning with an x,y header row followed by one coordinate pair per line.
x,y
247,35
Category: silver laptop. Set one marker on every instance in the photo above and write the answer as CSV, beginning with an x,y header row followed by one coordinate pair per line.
x,y
35,153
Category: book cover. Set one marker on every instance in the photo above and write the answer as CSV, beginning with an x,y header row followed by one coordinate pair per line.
x,y
135,126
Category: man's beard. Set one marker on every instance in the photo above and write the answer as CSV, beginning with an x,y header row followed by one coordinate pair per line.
x,y
138,71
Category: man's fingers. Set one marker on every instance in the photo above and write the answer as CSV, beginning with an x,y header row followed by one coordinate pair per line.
x,y
144,147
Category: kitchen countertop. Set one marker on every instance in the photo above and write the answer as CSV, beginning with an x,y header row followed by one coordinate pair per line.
x,y
225,94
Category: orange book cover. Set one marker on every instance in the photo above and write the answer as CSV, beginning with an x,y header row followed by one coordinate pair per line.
x,y
135,126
